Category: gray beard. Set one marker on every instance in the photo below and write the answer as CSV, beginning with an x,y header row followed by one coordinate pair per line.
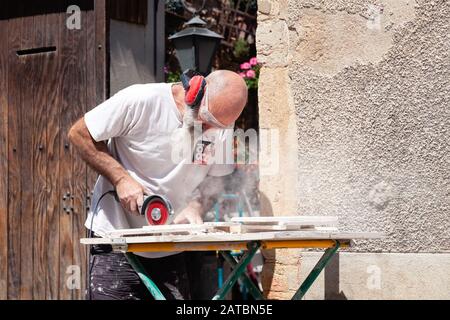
x,y
189,117
184,137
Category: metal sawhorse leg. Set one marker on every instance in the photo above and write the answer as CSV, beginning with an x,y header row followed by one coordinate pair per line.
x,y
307,283
239,271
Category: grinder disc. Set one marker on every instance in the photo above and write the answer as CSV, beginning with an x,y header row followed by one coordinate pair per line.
x,y
156,210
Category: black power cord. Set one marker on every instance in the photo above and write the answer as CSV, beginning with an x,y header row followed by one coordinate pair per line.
x,y
94,212
91,232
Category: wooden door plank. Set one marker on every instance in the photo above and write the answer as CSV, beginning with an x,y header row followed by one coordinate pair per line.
x,y
68,68
27,87
102,45
79,166
3,155
54,98
43,85
14,156
91,91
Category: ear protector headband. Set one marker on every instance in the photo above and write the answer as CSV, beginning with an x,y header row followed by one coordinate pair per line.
x,y
194,84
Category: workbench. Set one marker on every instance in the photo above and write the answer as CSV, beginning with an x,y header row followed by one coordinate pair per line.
x,y
330,241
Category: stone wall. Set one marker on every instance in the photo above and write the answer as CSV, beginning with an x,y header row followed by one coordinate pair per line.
x,y
360,91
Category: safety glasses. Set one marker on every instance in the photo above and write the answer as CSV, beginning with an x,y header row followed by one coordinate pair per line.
x,y
207,116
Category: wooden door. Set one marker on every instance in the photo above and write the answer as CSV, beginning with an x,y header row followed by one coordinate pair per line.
x,y
50,75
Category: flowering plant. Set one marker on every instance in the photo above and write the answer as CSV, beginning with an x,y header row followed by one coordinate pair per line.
x,y
250,72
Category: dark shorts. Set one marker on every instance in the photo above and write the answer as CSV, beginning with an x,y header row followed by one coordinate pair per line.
x,y
113,278
183,276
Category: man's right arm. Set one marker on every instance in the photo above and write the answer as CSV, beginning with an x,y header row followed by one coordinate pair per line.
x,y
96,154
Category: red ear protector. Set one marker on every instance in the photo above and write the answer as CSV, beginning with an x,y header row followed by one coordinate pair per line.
x,y
194,84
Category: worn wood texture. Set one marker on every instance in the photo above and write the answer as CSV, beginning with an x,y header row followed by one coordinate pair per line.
x,y
14,156
132,11
79,166
3,155
28,76
102,46
53,179
41,63
69,95
41,95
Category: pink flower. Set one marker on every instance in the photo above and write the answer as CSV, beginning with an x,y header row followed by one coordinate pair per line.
x,y
253,61
242,74
251,74
245,66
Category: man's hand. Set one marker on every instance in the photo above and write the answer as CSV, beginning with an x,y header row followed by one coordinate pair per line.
x,y
131,194
191,214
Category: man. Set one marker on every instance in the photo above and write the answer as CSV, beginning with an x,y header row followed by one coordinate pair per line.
x,y
138,122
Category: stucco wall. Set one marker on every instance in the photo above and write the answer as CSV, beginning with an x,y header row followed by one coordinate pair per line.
x,y
361,95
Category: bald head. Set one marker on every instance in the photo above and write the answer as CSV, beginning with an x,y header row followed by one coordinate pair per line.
x,y
227,93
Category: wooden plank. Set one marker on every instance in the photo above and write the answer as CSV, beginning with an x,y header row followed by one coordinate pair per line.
x,y
181,228
237,245
3,155
41,88
220,224
91,91
68,68
260,228
96,78
132,11
289,220
211,227
102,45
26,88
174,228
14,156
54,98
256,228
79,165
224,237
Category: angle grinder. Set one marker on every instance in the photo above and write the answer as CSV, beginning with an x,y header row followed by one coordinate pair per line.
x,y
157,210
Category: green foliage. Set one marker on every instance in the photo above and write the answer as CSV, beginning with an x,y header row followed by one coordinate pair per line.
x,y
173,77
174,6
252,5
241,49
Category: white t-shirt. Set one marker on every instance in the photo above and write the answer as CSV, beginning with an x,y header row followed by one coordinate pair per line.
x,y
139,121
